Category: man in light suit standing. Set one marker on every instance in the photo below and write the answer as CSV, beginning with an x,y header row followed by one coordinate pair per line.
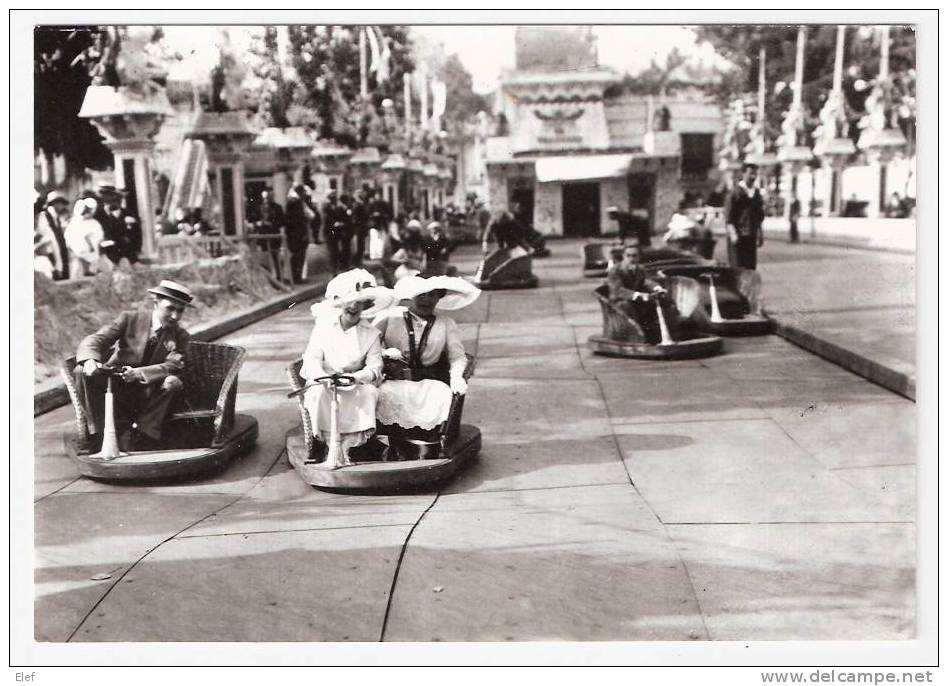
x,y
150,347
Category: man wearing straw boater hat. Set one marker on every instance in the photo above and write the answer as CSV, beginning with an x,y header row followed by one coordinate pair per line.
x,y
149,346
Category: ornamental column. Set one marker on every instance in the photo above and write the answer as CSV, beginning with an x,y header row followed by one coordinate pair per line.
x,y
791,155
226,138
128,120
881,139
833,143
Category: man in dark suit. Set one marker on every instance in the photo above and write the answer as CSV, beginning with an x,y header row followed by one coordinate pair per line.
x,y
336,223
298,220
743,217
118,225
361,222
149,346
631,289
50,222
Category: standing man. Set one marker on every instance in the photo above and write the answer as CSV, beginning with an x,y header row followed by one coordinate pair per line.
x,y
794,219
150,347
120,227
50,225
298,216
336,223
743,217
361,215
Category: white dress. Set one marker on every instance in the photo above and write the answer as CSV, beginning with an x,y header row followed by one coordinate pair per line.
x,y
419,404
83,235
332,350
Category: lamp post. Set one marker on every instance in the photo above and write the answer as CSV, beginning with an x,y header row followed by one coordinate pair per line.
x,y
128,119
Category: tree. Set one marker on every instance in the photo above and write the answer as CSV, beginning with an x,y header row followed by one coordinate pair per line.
x,y
463,103
741,46
62,60
66,61
274,93
326,61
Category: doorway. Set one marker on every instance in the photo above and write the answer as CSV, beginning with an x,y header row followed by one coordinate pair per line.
x,y
581,216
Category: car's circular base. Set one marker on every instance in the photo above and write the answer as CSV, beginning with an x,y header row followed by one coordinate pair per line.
x,y
690,348
167,465
384,477
749,325
530,281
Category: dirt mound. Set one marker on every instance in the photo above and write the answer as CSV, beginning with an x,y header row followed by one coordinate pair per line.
x,y
65,312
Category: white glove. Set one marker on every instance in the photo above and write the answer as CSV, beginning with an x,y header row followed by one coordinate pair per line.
x,y
731,233
392,354
640,296
659,289
458,385
89,367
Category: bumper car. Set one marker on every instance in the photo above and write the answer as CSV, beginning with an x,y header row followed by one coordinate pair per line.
x,y
729,299
201,438
624,336
506,268
596,258
320,465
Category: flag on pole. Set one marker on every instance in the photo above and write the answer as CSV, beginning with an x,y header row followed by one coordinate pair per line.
x,y
421,86
439,98
385,58
363,67
373,48
407,79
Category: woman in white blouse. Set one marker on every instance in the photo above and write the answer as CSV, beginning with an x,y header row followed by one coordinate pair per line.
x,y
83,236
426,352
343,343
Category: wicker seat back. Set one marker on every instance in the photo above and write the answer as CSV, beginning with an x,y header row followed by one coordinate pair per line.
x,y
617,325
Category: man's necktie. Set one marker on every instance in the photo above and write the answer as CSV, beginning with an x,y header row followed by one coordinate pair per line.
x,y
151,345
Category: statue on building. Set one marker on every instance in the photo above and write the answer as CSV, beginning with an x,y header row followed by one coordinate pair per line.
x,y
661,120
833,123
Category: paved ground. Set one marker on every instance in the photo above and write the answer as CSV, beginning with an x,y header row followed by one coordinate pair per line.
x,y
860,300
761,494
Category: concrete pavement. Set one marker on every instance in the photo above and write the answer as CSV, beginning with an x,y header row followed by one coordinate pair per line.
x,y
761,494
855,307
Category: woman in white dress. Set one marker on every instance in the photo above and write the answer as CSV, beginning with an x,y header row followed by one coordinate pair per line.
x,y
342,342
83,235
425,362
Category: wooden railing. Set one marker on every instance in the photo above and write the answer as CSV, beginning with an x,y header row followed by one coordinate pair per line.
x,y
178,248
272,254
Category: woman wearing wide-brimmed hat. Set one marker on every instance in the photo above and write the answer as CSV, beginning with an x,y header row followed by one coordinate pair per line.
x,y
426,350
342,342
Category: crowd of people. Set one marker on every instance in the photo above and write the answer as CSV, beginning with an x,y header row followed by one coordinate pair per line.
x,y
76,238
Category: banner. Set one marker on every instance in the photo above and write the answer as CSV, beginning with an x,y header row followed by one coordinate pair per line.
x,y
439,98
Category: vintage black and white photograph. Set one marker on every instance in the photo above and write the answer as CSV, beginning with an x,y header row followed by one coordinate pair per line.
x,y
492,332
